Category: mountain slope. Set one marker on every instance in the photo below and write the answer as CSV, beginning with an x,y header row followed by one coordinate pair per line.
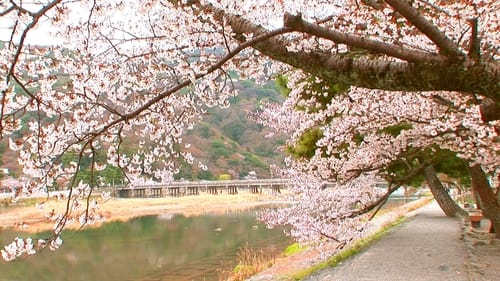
x,y
226,140
229,143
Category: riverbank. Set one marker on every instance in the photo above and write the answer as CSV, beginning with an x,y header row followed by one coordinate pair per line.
x,y
476,252
30,216
300,265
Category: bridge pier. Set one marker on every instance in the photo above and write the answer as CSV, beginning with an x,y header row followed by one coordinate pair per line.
x,y
232,189
139,192
276,189
192,190
174,191
212,190
255,189
155,192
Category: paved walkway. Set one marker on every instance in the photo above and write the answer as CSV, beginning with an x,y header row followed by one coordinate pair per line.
x,y
425,247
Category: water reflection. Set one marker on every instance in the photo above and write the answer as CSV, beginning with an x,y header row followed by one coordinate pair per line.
x,y
166,247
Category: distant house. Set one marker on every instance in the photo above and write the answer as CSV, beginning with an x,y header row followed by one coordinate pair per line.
x,y
252,175
4,171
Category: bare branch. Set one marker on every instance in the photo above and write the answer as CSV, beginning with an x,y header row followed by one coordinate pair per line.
x,y
186,82
7,11
36,18
393,186
94,4
11,70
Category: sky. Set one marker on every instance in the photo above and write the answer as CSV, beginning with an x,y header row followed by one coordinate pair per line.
x,y
40,34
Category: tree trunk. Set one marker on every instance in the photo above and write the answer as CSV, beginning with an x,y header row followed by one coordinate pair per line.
x,y
447,204
489,202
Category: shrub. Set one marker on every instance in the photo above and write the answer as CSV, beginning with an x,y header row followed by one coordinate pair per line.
x,y
294,249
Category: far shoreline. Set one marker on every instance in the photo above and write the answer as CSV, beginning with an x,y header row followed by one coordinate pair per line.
x,y
31,219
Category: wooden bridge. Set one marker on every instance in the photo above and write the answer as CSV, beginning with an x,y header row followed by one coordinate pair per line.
x,y
181,188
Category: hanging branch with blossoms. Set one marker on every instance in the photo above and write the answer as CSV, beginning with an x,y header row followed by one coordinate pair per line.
x,y
111,88
366,133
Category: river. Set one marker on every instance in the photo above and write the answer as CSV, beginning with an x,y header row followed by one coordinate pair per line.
x,y
165,247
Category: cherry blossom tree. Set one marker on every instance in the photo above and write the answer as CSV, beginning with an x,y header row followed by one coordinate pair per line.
x,y
105,70
397,138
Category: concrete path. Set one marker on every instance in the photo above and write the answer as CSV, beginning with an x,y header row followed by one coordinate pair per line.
x,y
426,247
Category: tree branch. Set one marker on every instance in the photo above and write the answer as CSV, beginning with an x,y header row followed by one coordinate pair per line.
x,y
474,44
6,11
446,46
36,18
186,82
489,110
393,186
298,24
373,73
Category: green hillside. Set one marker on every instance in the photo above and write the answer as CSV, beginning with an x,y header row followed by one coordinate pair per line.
x,y
229,143
226,140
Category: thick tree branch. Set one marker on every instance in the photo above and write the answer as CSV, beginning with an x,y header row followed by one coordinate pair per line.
x,y
446,46
298,24
474,45
447,204
392,76
489,110
464,76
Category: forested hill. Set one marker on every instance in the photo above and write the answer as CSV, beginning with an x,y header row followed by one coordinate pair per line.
x,y
226,140
231,144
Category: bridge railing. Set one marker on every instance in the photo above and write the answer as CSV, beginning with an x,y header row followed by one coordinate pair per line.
x,y
264,182
180,188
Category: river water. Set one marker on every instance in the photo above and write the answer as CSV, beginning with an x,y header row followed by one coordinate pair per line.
x,y
165,247
151,248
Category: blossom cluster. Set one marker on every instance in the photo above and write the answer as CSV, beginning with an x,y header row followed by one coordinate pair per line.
x,y
26,246
354,124
324,211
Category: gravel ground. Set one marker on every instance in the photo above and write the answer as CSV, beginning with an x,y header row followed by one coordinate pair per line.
x,y
483,252
426,247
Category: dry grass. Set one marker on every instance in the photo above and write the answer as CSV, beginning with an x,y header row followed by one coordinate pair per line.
x,y
250,262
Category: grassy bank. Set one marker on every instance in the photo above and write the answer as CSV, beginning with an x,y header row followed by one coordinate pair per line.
x,y
250,262
347,253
